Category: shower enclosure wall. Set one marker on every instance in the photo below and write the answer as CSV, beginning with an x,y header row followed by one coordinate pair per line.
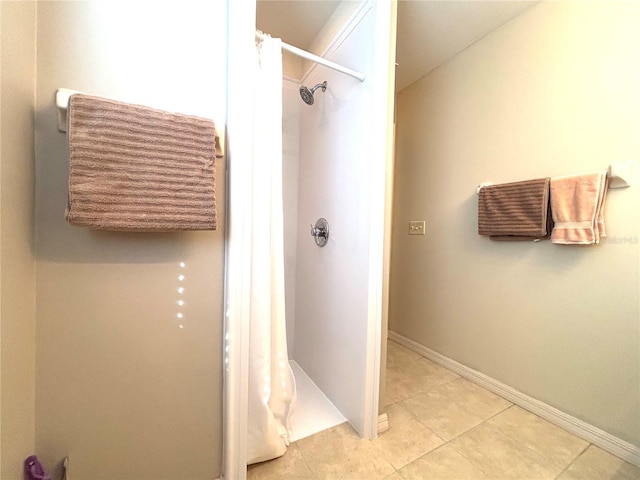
x,y
312,412
344,151
328,172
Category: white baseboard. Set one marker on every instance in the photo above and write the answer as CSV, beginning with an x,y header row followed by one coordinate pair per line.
x,y
582,429
383,423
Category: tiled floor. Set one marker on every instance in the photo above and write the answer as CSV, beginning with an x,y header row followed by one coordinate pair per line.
x,y
445,427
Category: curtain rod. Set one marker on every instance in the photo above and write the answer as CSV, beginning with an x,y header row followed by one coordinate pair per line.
x,y
315,58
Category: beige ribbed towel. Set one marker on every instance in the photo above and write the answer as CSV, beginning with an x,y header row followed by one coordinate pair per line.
x,y
139,169
577,205
515,211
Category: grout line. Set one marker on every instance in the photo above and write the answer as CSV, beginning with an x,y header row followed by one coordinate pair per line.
x,y
573,461
313,472
539,453
470,461
304,458
511,405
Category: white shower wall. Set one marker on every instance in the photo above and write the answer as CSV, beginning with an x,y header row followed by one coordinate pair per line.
x,y
337,158
313,411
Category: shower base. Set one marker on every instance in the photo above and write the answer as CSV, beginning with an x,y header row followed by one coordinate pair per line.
x,y
313,411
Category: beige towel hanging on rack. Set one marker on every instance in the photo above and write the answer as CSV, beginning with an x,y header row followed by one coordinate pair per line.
x,y
577,204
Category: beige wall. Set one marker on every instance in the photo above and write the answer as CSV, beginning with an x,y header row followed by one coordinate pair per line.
x,y
17,280
553,92
124,387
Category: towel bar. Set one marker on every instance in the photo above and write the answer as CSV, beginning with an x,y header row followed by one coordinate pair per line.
x,y
62,103
619,174
483,184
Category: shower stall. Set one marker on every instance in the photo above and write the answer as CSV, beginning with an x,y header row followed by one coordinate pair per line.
x,y
336,146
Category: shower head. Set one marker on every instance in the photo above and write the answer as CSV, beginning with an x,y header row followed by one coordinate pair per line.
x,y
307,95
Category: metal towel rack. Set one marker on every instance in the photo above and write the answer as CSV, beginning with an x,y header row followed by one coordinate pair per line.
x,y
619,174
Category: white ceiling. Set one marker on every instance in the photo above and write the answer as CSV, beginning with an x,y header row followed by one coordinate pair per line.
x,y
429,31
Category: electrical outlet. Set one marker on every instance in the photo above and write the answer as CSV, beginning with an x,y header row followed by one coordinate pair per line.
x,y
417,227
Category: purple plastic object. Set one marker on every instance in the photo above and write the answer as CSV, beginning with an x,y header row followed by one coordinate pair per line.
x,y
34,470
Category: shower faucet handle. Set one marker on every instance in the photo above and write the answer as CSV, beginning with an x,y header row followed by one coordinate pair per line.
x,y
317,232
320,232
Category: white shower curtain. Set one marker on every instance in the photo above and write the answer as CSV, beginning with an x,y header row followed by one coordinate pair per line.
x,y
271,383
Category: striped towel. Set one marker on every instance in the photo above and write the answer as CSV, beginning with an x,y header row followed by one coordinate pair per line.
x,y
515,211
138,169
